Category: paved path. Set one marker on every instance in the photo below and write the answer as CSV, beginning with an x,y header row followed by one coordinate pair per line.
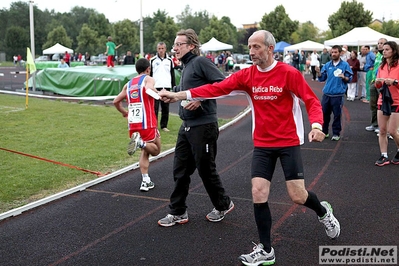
x,y
113,223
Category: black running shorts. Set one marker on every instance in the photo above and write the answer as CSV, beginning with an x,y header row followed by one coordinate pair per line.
x,y
264,162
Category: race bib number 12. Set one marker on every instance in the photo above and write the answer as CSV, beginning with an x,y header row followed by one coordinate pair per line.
x,y
135,114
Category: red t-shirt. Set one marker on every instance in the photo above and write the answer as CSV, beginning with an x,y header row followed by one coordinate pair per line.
x,y
274,95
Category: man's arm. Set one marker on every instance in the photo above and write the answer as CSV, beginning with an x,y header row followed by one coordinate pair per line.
x,y
118,101
171,97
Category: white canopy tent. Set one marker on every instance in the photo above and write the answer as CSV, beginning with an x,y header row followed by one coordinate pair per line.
x,y
306,46
360,36
215,45
57,49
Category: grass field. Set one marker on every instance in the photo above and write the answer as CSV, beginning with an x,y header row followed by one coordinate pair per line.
x,y
6,64
93,137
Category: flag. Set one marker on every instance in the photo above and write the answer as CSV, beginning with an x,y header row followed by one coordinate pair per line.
x,y
30,62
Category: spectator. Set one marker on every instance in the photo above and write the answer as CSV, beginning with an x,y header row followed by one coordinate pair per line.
x,y
19,59
162,70
373,92
336,73
129,59
314,62
63,64
324,57
368,67
355,66
15,59
388,101
361,79
67,58
296,59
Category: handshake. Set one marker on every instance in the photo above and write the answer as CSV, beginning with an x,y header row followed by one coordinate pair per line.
x,y
172,97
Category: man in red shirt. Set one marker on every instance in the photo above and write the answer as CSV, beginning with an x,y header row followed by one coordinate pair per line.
x,y
273,89
67,58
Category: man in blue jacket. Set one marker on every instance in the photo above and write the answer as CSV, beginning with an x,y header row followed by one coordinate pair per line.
x,y
337,74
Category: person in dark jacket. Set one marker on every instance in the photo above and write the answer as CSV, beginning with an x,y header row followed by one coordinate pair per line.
x,y
196,144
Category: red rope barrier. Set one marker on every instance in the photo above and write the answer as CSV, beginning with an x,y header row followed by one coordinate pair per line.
x,y
55,162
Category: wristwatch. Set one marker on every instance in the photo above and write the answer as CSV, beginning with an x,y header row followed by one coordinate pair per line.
x,y
395,82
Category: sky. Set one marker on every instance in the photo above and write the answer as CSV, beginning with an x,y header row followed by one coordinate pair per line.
x,y
305,10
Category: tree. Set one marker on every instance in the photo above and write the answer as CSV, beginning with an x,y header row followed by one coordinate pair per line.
x,y
390,28
350,15
100,24
149,28
306,31
16,41
58,35
88,41
127,33
196,21
215,29
166,32
279,24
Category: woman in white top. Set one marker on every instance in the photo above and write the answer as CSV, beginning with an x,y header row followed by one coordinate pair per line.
x,y
314,61
288,58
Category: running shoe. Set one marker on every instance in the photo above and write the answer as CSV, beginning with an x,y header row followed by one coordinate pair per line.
x,y
145,186
331,224
382,161
216,216
258,257
395,160
335,138
371,128
327,136
171,220
134,143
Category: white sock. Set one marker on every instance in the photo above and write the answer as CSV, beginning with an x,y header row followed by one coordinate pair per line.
x,y
146,178
385,154
142,144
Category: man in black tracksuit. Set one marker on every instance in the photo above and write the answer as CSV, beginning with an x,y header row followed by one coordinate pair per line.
x,y
196,144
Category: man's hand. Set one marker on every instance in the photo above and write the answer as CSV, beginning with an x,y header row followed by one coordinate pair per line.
x,y
168,96
192,105
316,135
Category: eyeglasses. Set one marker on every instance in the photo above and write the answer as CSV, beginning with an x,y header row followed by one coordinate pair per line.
x,y
178,44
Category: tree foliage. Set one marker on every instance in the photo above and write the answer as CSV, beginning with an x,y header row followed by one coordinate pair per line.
x,y
88,41
350,15
279,24
390,28
165,32
196,21
15,40
58,35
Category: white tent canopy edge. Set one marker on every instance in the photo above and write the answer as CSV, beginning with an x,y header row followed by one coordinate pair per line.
x,y
360,36
57,49
215,45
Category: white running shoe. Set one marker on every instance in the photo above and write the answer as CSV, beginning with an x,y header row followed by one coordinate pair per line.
x,y
258,257
171,219
134,143
216,216
145,186
331,224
